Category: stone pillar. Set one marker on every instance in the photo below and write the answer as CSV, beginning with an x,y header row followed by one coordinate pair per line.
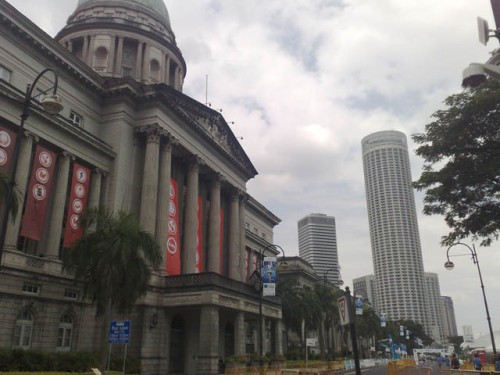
x,y
214,227
163,199
57,214
146,66
119,57
111,56
234,237
162,70
278,334
70,46
95,189
90,53
138,62
209,340
239,334
179,79
85,50
190,219
149,196
242,221
167,70
21,182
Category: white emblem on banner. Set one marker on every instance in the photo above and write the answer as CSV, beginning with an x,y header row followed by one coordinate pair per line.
x,y
77,206
45,159
172,226
3,156
172,191
42,175
39,192
73,221
79,190
172,245
81,175
171,208
4,139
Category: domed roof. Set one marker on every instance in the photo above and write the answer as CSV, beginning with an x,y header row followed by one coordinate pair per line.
x,y
156,5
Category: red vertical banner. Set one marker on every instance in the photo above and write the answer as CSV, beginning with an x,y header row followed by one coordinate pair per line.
x,y
172,252
7,144
78,198
221,264
198,267
42,174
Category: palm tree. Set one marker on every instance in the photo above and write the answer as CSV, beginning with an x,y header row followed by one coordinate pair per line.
x,y
4,186
113,261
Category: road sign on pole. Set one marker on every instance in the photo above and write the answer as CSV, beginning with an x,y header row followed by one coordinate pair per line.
x,y
119,332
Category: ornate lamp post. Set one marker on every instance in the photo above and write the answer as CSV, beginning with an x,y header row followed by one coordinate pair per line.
x,y
52,105
339,282
261,287
449,265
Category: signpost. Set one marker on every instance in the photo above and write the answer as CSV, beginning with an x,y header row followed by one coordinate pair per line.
x,y
346,312
119,333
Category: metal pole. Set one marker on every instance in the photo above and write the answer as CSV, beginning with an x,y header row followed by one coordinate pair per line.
x,y
352,327
261,336
488,318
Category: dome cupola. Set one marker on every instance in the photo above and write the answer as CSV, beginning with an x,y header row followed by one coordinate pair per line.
x,y
120,38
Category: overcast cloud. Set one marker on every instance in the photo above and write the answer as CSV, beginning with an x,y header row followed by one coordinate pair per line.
x,y
304,81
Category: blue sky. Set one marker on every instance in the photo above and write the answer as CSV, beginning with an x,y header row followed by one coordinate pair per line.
x,y
304,81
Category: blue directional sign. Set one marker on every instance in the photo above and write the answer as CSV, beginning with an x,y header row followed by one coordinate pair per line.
x,y
119,332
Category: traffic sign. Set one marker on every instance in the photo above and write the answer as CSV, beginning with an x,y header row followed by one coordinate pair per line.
x,y
119,332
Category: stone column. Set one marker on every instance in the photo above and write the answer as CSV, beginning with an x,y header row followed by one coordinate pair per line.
x,y
111,56
214,227
242,221
146,66
278,334
163,199
21,182
57,214
149,195
119,57
85,50
234,237
95,189
167,70
70,46
190,219
90,52
138,62
239,334
209,340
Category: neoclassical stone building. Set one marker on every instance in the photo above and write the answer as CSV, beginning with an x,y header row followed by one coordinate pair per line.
x,y
127,139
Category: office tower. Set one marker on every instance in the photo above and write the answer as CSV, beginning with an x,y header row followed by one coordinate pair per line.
x,y
365,286
450,324
435,316
397,256
318,245
468,334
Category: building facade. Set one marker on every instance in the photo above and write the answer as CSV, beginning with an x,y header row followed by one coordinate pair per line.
x,y
365,286
435,308
450,326
318,245
142,146
394,235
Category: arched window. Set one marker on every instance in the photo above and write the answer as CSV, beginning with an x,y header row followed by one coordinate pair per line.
x,y
64,333
101,59
154,70
23,330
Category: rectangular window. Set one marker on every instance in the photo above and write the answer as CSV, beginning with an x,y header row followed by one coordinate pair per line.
x,y
70,294
31,288
5,73
126,72
75,118
22,335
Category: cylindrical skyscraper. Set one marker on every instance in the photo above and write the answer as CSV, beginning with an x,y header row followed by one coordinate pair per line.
x,y
395,241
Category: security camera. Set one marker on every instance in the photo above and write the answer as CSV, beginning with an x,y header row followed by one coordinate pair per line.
x,y
473,76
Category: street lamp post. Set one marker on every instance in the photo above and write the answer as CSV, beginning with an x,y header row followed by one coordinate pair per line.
x,y
52,105
339,282
449,266
261,287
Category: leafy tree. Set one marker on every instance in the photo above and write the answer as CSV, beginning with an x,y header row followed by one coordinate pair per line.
x,y
4,185
461,173
456,341
113,261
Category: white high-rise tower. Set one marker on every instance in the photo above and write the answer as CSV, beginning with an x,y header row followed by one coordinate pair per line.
x,y
318,245
395,241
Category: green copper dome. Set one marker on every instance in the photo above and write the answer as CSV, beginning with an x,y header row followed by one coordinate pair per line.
x,y
157,6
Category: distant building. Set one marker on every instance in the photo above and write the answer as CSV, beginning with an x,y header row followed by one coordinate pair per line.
x,y
392,216
318,245
435,314
365,286
468,335
450,323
